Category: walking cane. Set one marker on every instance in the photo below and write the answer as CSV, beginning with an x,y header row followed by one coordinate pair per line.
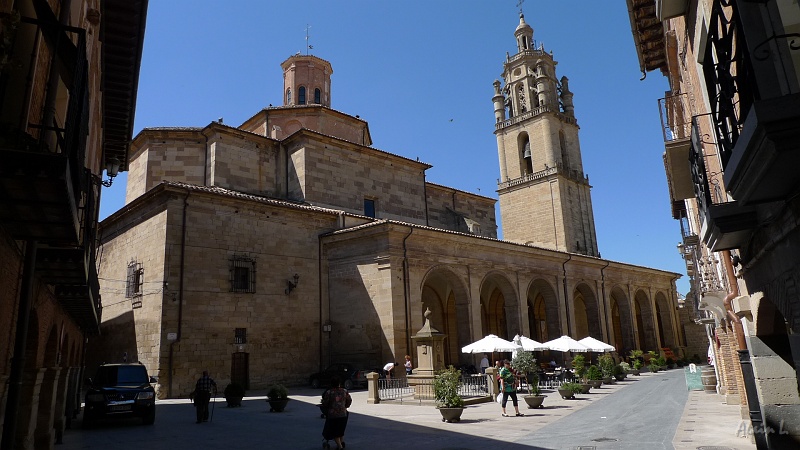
x,y
213,404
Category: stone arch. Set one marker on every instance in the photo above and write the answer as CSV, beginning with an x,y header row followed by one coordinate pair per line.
x,y
587,317
544,320
499,306
643,314
445,294
770,328
664,318
621,321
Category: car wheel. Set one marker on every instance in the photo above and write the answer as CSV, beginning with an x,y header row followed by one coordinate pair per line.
x,y
315,383
149,418
348,384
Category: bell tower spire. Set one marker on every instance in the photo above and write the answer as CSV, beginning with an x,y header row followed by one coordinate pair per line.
x,y
545,197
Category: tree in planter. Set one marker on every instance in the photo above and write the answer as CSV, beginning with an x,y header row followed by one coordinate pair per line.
x,y
525,363
606,364
445,393
234,393
277,397
568,390
594,375
619,372
579,366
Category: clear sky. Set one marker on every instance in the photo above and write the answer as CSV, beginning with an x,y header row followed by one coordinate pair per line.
x,y
420,73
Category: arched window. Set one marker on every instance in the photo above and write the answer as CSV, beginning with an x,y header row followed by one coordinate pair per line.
x,y
524,42
317,96
301,96
522,102
289,96
527,157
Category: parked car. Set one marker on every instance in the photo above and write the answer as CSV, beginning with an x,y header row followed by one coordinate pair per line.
x,y
350,376
120,390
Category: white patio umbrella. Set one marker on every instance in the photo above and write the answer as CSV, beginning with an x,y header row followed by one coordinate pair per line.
x,y
597,345
528,344
566,344
489,344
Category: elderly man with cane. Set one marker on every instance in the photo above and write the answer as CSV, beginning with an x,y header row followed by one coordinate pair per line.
x,y
202,395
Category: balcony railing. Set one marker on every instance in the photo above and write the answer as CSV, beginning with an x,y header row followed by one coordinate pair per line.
x,y
572,174
676,120
533,113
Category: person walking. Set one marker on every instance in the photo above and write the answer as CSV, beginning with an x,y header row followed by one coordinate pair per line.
x,y
408,365
484,363
202,395
335,402
508,385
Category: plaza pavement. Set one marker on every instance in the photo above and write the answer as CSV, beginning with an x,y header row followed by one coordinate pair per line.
x,y
705,421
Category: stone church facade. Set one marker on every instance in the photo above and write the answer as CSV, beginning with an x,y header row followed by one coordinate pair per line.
x,y
264,252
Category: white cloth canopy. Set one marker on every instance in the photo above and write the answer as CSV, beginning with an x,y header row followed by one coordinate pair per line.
x,y
566,344
528,344
597,345
489,344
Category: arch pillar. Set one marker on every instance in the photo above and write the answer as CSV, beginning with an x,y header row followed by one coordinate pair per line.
x,y
28,407
45,412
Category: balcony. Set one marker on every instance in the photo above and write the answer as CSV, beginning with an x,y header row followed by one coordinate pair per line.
x,y
676,128
750,65
724,224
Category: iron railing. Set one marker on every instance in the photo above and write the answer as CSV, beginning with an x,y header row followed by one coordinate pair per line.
x,y
676,121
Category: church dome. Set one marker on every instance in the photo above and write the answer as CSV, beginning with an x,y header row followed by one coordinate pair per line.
x,y
523,26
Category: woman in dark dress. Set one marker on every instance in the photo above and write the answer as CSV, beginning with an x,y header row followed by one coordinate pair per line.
x,y
335,400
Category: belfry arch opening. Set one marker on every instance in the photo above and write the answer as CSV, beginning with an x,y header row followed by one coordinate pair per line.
x,y
526,155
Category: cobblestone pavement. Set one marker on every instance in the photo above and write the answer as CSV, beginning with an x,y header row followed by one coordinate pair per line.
x,y
701,420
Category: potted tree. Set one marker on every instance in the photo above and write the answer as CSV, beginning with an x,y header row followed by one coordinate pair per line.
x,y
277,397
619,372
606,364
579,366
234,393
568,390
636,361
525,363
445,392
595,376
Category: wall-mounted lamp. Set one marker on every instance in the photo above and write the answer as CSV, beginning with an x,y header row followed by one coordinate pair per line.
x,y
112,169
291,285
326,327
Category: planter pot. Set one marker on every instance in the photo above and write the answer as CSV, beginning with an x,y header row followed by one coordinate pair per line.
x,y
608,380
566,394
620,376
596,383
585,388
277,405
534,401
233,401
634,372
451,415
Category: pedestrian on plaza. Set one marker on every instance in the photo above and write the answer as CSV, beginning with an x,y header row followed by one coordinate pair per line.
x,y
408,365
484,363
508,385
335,402
387,369
202,395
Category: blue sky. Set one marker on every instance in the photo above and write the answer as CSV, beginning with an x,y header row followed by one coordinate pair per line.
x,y
420,73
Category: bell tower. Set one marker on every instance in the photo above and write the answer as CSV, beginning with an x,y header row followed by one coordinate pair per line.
x,y
545,197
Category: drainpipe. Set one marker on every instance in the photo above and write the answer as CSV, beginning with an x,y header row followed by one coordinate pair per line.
x,y
406,289
319,293
180,292
17,371
566,299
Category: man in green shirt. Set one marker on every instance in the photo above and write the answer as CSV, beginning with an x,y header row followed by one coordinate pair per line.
x,y
508,385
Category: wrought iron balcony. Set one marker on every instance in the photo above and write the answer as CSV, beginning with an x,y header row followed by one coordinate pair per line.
x,y
724,224
676,126
754,92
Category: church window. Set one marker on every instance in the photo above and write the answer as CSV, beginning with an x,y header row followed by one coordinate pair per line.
x,y
522,104
369,207
135,280
289,96
240,336
242,273
301,96
317,96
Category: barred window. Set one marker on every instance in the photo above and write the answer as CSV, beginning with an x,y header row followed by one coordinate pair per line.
x,y
240,336
243,273
135,280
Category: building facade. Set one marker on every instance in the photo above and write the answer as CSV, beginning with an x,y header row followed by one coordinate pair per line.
x,y
731,122
266,251
67,113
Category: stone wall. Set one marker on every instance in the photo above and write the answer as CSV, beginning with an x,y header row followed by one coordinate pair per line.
x,y
461,211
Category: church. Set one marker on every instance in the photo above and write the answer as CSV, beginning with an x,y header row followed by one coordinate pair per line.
x,y
264,252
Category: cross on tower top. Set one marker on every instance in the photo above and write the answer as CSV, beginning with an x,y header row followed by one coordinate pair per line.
x,y
519,5
308,45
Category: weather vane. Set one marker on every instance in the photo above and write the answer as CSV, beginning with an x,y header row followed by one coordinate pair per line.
x,y
519,5
308,45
